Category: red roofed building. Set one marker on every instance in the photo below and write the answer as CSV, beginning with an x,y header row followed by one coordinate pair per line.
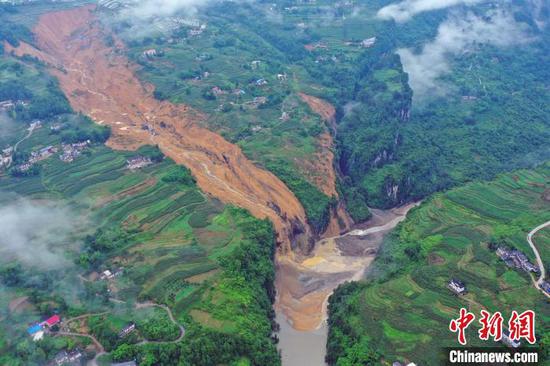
x,y
53,320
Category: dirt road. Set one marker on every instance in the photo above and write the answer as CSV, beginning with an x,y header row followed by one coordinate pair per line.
x,y
99,346
542,270
170,315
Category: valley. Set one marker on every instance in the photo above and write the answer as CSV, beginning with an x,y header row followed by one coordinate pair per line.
x,y
90,74
253,183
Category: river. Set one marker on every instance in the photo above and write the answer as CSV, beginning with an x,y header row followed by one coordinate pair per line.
x,y
305,283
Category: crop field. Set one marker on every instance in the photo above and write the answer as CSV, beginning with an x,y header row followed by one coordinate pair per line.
x,y
170,243
166,222
405,314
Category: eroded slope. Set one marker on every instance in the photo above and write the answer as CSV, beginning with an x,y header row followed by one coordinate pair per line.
x,y
100,82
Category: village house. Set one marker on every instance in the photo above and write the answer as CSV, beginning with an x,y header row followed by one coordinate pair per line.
x,y
545,286
516,259
127,330
281,77
151,53
369,42
138,162
457,286
34,125
255,64
315,46
261,82
36,331
195,32
42,154
4,161
51,321
6,105
7,151
218,91
106,275
24,167
72,151
56,127
508,341
68,358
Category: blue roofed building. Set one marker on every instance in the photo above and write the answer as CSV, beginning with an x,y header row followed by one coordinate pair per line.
x,y
34,329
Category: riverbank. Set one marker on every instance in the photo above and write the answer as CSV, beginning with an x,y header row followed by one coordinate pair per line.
x,y
304,284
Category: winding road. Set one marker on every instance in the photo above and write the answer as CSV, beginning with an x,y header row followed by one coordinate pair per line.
x,y
542,270
100,348
30,129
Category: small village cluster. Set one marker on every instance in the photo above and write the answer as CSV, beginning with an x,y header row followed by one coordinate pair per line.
x,y
72,151
68,154
64,358
77,357
138,162
108,275
8,105
38,330
516,259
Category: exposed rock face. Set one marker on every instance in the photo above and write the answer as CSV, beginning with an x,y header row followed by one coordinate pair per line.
x,y
99,81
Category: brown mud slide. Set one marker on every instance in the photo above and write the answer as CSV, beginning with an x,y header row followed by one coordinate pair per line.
x,y
340,220
100,82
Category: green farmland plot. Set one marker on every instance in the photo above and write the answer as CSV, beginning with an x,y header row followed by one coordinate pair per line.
x,y
172,244
404,312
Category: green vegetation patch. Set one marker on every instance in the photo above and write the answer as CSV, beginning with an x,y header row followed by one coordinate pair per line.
x,y
404,311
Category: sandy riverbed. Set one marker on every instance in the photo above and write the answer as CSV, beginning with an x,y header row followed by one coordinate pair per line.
x,y
304,284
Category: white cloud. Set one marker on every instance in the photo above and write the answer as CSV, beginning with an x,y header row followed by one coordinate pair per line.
x,y
144,9
36,233
405,10
458,34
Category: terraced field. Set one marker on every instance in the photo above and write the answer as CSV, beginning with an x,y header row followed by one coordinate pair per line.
x,y
405,313
173,242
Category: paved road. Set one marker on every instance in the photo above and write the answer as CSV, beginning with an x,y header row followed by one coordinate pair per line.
x,y
537,255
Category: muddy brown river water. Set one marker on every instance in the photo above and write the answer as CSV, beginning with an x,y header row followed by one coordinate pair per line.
x,y
305,283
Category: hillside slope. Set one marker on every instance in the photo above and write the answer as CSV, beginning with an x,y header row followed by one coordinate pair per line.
x,y
99,82
404,311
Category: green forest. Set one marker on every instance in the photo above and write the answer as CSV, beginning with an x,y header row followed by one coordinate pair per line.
x,y
437,107
389,151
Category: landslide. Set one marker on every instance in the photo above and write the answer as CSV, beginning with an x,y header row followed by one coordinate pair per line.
x,y
340,220
99,81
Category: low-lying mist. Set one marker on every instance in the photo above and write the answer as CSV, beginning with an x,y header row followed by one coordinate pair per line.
x,y
37,233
